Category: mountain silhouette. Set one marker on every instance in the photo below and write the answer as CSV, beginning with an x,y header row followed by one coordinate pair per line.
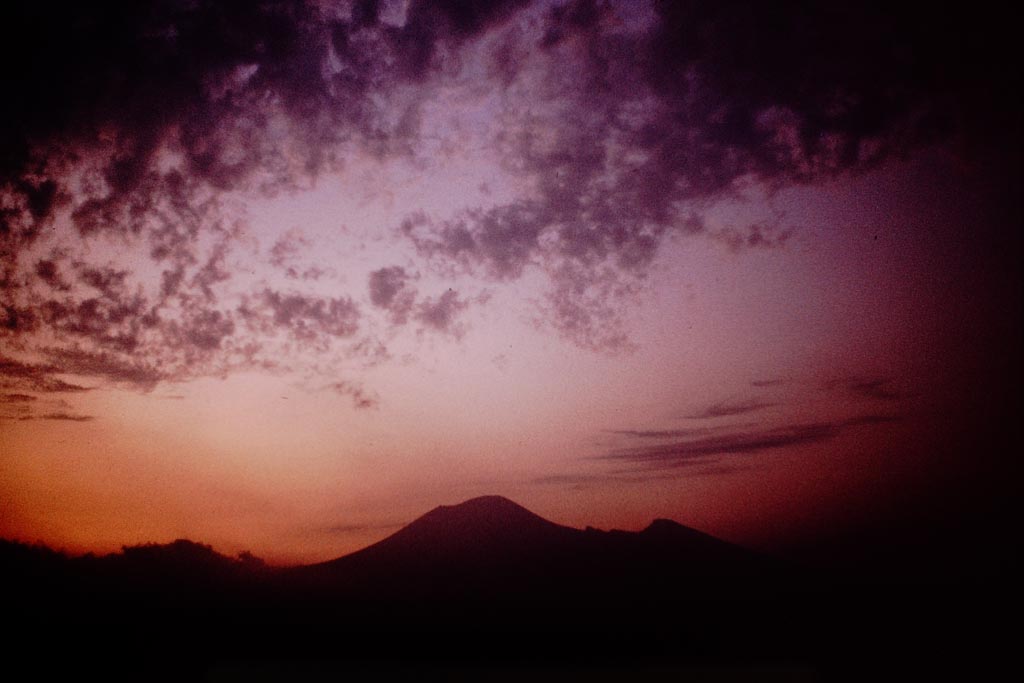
x,y
483,530
489,525
493,548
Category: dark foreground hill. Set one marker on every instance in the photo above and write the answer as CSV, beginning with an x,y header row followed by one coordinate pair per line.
x,y
484,590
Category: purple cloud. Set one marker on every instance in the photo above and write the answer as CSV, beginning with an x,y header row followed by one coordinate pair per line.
x,y
361,398
310,318
389,289
441,314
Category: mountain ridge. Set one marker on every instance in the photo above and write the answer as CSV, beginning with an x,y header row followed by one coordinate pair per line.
x,y
493,548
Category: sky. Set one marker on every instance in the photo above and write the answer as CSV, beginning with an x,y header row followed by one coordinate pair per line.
x,y
281,278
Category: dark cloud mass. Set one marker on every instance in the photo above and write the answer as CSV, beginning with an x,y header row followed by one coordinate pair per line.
x,y
626,116
129,124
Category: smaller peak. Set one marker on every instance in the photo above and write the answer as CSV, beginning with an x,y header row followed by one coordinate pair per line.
x,y
671,530
667,528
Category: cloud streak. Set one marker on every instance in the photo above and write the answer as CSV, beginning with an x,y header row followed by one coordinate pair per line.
x,y
60,417
876,389
15,374
730,409
661,433
707,450
16,398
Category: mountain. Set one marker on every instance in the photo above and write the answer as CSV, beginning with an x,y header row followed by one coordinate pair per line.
x,y
487,527
491,547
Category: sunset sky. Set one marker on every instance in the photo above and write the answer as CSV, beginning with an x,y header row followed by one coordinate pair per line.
x,y
281,279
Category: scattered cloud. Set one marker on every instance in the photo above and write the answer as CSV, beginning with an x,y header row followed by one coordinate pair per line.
x,y
441,314
287,247
390,290
361,398
309,318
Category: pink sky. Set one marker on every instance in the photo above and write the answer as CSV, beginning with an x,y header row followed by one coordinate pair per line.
x,y
292,330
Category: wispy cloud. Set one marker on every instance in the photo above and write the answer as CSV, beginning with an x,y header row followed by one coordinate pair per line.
x,y
15,374
61,417
660,433
111,367
878,389
630,476
707,450
16,398
730,408
582,480
681,453
362,399
344,529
